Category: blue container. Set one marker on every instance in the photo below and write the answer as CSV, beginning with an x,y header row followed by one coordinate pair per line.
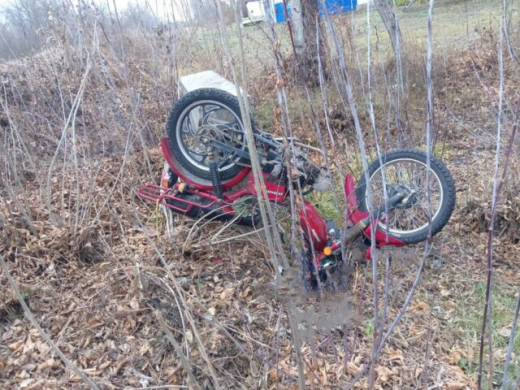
x,y
337,6
334,7
279,11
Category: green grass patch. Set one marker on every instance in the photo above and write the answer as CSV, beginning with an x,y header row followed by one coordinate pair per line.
x,y
467,320
503,303
326,205
264,115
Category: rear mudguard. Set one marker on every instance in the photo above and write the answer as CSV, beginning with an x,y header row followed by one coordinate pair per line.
x,y
197,182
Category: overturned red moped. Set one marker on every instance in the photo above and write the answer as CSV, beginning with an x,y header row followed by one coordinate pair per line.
x,y
209,176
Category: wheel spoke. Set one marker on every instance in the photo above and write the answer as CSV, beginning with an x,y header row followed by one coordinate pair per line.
x,y
211,120
407,174
187,127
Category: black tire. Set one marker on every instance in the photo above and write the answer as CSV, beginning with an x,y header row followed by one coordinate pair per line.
x,y
445,180
220,98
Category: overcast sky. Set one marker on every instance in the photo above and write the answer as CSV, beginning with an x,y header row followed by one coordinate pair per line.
x,y
162,8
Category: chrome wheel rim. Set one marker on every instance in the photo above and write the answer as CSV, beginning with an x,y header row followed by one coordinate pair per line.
x,y
193,125
414,175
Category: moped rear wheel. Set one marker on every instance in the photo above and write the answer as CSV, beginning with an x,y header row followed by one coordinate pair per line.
x,y
201,116
432,190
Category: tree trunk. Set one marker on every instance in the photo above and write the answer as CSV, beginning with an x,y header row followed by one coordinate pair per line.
x,y
390,21
304,17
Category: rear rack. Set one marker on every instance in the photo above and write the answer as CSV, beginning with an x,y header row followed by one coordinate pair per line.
x,y
161,195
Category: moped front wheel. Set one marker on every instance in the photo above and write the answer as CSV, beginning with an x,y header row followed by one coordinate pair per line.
x,y
430,186
202,116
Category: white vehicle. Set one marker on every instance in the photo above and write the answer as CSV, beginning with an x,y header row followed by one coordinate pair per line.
x,y
255,13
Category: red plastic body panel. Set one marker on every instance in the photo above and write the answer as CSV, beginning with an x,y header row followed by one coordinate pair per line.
x,y
170,159
314,227
275,193
352,206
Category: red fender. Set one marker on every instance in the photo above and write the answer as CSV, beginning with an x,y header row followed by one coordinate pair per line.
x,y
314,227
192,180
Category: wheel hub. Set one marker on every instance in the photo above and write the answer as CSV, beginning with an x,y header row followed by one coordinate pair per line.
x,y
207,133
410,196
